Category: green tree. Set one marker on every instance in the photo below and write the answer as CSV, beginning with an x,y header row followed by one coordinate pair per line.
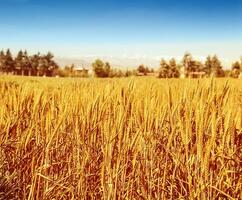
x,y
164,69
217,68
169,70
173,69
6,62
19,62
34,60
191,66
107,69
46,65
51,64
27,67
23,63
100,69
187,63
208,66
2,60
9,62
141,69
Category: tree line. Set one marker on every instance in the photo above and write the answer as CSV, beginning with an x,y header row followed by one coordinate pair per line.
x,y
44,65
24,64
189,67
104,70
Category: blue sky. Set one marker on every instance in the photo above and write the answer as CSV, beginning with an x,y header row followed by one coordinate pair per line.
x,y
74,28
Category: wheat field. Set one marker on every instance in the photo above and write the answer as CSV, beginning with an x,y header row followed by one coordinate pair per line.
x,y
128,138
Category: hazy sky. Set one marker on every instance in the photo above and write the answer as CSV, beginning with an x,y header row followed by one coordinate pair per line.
x,y
150,28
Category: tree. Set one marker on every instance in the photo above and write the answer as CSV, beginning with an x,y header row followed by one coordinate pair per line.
x,y
34,60
2,60
141,69
6,62
164,69
117,73
198,67
147,70
107,69
46,65
23,63
173,69
51,64
191,66
9,62
19,62
208,66
128,73
217,69
168,70
187,63
236,66
235,70
27,67
100,69
41,66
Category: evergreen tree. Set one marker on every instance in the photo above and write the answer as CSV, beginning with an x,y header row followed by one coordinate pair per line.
x,y
6,62
187,63
34,60
9,62
208,66
173,69
190,65
164,69
27,68
51,65
19,62
2,60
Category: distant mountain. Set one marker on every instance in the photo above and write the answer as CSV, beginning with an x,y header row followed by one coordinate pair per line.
x,y
79,62
123,61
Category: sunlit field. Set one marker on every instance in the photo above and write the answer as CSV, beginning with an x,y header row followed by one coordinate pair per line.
x,y
127,138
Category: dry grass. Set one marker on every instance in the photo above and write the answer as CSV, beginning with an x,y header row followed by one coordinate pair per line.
x,y
138,138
